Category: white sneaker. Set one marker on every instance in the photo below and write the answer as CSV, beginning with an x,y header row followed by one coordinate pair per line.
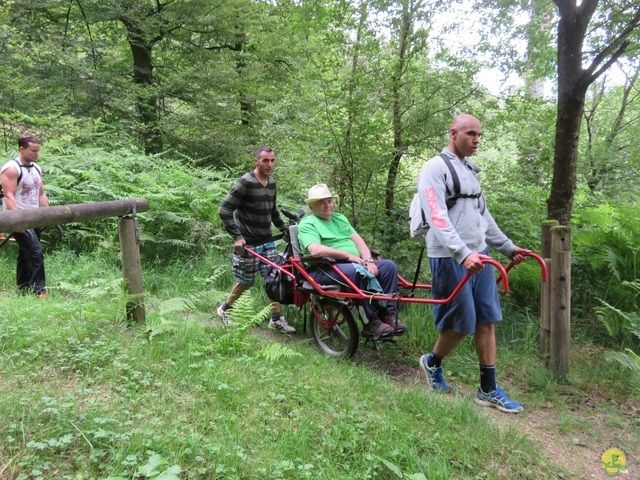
x,y
282,325
226,321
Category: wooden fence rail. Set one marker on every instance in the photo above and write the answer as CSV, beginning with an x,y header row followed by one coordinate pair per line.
x,y
13,220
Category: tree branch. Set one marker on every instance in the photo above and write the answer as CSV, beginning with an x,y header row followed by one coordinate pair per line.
x,y
591,77
615,49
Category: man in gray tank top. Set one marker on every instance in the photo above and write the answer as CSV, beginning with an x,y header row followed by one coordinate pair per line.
x,y
23,189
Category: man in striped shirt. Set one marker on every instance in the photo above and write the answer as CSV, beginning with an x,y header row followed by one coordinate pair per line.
x,y
247,213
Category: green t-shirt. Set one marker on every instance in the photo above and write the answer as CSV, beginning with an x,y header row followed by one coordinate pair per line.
x,y
335,233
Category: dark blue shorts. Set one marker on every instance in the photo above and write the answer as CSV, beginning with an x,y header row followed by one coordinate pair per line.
x,y
477,302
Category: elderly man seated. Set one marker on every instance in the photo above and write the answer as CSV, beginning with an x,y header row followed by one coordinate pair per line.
x,y
329,234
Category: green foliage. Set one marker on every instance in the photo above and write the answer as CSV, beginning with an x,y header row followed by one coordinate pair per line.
x,y
628,361
273,352
244,314
618,324
605,252
193,80
108,401
521,37
624,330
609,145
182,217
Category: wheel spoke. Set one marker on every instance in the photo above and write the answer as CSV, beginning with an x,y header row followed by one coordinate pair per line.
x,y
338,330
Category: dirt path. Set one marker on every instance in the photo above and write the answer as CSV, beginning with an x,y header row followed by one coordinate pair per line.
x,y
574,438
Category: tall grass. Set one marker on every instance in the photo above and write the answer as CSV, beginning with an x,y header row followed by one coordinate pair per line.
x,y
86,395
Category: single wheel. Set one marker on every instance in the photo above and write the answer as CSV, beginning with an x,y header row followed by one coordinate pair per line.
x,y
333,327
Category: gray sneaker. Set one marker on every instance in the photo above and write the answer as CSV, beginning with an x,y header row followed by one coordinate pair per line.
x,y
281,325
497,399
224,316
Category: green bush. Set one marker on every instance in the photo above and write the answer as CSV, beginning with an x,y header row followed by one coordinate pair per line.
x,y
605,253
183,200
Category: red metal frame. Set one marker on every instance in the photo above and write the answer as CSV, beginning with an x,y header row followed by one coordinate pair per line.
x,y
543,267
356,293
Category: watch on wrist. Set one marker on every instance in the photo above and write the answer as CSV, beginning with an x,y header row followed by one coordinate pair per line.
x,y
369,260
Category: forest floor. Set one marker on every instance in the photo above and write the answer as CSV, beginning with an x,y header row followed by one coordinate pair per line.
x,y
573,433
578,451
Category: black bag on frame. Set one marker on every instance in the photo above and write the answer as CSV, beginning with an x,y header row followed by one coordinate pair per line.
x,y
278,285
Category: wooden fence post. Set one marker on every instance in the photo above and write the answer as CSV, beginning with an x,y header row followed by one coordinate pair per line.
x,y
560,300
131,267
545,292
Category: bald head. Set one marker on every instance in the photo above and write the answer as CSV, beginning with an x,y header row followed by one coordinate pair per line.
x,y
465,121
464,135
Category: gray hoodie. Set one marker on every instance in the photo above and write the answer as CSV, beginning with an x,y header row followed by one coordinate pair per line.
x,y
468,227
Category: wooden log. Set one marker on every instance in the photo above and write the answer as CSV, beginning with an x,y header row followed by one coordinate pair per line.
x,y
131,268
560,306
12,220
546,237
545,291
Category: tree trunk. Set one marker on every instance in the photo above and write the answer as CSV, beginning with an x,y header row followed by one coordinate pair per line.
x,y
398,142
573,82
560,202
572,88
246,104
146,96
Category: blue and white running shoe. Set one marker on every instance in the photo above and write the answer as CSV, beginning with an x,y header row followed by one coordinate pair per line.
x,y
497,399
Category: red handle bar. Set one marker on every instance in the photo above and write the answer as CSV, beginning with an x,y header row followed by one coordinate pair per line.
x,y
543,266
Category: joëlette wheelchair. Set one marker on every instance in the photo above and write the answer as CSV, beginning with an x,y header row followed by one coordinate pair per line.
x,y
332,322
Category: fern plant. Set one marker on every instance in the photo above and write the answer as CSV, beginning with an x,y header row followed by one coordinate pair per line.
x,y
183,201
624,329
605,253
275,351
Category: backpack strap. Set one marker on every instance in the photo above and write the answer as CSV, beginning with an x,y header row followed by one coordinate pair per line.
x,y
27,167
456,185
19,170
19,176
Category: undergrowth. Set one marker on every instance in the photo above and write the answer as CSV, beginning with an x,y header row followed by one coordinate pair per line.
x,y
84,394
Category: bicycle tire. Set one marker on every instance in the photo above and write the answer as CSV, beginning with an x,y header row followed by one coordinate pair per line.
x,y
334,327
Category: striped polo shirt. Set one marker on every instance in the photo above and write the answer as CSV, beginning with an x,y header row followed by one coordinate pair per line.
x,y
255,209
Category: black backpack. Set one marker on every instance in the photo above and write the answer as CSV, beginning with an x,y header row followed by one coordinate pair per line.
x,y
20,174
278,285
418,225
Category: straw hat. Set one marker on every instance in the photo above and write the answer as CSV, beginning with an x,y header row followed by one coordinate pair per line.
x,y
319,192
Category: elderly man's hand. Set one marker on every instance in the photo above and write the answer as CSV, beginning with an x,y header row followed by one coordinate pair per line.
x,y
354,259
373,268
